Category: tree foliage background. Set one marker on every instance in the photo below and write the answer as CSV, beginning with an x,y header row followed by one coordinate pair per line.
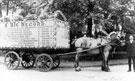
x,y
78,12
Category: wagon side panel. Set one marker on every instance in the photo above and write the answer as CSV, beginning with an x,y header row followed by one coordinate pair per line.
x,y
49,34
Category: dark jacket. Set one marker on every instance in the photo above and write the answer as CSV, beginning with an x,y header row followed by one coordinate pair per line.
x,y
130,49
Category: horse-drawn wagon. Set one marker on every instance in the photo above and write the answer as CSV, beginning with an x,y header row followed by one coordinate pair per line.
x,y
34,42
39,42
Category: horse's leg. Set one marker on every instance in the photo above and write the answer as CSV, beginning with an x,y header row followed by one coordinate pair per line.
x,y
77,66
103,63
101,49
105,58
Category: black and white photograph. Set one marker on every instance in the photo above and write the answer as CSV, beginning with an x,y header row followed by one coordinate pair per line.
x,y
67,40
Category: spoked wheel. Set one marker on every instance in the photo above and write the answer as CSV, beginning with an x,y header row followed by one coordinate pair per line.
x,y
12,60
28,60
56,62
44,62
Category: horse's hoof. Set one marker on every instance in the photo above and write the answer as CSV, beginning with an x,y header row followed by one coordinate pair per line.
x,y
102,68
78,69
107,70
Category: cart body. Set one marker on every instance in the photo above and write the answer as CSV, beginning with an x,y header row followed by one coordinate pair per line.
x,y
49,34
29,41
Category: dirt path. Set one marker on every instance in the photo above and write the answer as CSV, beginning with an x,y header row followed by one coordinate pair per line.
x,y
90,72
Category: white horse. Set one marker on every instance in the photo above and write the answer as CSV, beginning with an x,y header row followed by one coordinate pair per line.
x,y
87,42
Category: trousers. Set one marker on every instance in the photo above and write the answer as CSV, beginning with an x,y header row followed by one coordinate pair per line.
x,y
129,62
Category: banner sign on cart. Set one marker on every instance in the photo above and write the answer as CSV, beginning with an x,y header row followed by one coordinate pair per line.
x,y
50,33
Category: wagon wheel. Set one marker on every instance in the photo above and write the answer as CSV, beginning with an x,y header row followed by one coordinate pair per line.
x,y
44,62
12,60
28,60
56,62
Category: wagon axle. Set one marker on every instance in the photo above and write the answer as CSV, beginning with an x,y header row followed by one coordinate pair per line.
x,y
11,60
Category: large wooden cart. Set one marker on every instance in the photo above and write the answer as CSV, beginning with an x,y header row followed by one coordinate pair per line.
x,y
34,42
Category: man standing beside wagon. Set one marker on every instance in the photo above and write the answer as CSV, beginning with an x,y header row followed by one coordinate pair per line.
x,y
131,52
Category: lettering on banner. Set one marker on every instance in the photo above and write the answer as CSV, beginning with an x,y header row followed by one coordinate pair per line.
x,y
33,33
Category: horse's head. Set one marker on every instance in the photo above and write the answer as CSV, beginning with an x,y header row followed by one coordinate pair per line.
x,y
117,37
121,37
